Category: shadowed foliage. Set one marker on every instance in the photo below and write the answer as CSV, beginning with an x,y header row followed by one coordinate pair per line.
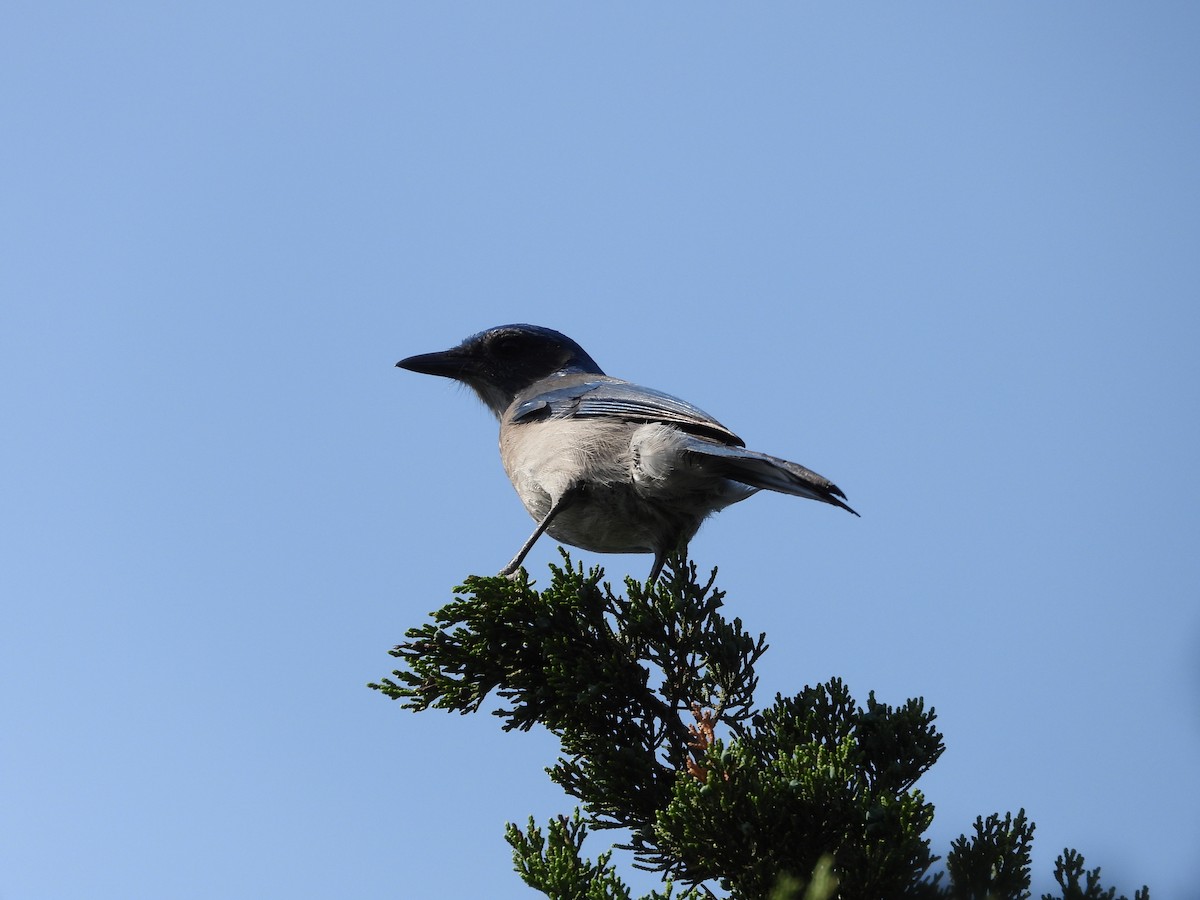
x,y
651,696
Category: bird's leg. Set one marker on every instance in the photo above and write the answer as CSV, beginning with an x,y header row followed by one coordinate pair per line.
x,y
670,548
564,501
656,569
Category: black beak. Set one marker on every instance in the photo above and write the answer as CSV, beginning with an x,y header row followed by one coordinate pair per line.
x,y
447,363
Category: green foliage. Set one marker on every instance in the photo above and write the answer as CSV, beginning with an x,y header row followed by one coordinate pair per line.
x,y
812,798
811,779
1080,884
554,865
995,861
579,660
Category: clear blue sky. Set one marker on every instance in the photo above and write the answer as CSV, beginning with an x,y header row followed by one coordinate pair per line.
x,y
946,254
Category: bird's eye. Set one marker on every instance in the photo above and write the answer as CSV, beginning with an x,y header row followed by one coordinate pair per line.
x,y
507,346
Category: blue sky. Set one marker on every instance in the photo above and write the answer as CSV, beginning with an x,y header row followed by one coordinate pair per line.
x,y
945,254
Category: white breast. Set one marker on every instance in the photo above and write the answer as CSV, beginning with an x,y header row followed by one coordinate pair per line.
x,y
544,459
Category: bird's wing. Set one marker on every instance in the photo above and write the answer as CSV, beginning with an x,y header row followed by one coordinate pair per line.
x,y
622,400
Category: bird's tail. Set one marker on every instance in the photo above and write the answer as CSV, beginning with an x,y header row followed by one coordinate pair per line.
x,y
770,472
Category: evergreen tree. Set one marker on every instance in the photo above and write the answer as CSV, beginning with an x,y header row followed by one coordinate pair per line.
x,y
652,698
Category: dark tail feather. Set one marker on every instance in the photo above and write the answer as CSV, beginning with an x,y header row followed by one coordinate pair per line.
x,y
769,472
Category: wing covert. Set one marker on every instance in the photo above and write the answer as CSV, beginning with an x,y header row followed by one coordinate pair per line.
x,y
622,400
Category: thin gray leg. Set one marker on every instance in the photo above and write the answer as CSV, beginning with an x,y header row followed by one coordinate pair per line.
x,y
511,569
656,570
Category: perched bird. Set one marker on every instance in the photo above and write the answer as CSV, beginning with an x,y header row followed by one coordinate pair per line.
x,y
601,463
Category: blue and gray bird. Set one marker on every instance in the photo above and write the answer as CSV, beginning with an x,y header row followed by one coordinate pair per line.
x,y
601,463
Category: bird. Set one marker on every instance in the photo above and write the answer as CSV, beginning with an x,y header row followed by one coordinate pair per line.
x,y
604,464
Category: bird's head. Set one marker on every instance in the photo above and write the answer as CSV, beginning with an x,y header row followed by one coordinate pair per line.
x,y
499,363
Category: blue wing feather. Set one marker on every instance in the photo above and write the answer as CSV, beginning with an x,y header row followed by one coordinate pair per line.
x,y
622,400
